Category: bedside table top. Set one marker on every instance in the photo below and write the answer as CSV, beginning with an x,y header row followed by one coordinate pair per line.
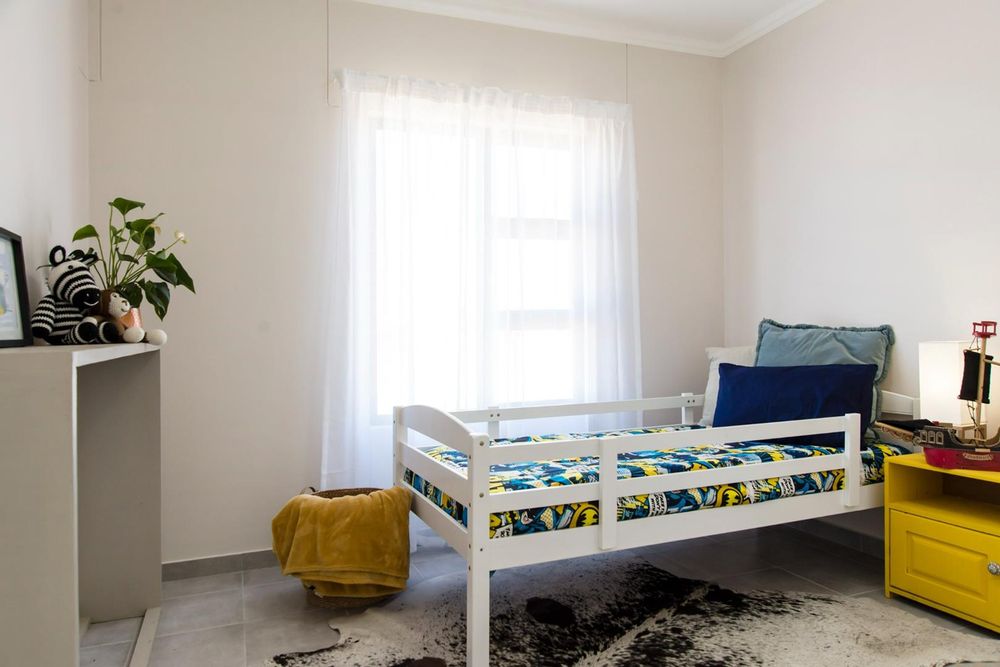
x,y
918,461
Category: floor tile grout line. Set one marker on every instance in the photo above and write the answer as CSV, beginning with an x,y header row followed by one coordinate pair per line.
x,y
131,640
131,648
193,595
740,574
205,629
880,589
124,641
815,583
246,661
784,565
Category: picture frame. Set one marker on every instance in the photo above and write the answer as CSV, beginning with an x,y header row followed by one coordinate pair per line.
x,y
15,318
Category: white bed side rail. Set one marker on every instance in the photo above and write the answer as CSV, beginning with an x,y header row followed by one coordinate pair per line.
x,y
449,428
684,401
560,449
436,424
609,487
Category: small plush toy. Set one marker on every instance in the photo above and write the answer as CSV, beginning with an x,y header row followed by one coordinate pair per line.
x,y
63,316
115,308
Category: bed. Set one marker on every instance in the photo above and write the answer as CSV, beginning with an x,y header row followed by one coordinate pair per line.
x,y
505,503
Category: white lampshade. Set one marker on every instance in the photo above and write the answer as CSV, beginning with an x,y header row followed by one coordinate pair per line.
x,y
941,366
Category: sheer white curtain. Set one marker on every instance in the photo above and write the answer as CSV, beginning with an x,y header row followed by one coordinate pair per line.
x,y
484,254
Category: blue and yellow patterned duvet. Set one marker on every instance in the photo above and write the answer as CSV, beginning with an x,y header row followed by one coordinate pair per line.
x,y
538,474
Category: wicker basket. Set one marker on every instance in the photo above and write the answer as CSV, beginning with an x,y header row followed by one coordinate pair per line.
x,y
340,493
343,602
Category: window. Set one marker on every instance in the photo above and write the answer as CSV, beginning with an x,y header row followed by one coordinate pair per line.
x,y
478,294
487,245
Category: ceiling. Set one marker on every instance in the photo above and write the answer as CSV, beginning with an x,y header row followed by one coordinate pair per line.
x,y
705,27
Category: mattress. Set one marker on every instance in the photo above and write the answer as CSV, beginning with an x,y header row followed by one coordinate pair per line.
x,y
538,474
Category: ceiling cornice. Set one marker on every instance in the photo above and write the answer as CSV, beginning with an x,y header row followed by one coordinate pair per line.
x,y
770,22
539,21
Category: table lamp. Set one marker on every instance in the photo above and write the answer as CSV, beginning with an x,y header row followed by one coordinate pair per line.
x,y
955,392
941,365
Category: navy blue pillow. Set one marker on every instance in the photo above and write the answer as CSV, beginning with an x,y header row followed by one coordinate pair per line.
x,y
760,394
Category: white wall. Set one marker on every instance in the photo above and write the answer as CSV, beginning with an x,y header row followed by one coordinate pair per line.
x,y
217,113
43,125
862,171
677,109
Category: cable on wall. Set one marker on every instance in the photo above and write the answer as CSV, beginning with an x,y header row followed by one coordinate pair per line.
x,y
626,73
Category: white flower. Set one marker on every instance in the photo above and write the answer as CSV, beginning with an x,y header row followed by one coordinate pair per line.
x,y
180,236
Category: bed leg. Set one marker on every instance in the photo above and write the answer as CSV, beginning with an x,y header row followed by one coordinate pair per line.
x,y
478,617
852,449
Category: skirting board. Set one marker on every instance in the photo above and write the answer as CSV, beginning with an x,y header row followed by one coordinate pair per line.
x,y
202,567
252,560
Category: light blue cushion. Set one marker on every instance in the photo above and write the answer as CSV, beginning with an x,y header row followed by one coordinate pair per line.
x,y
810,345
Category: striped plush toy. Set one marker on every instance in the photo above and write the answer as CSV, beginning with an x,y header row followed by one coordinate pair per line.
x,y
62,317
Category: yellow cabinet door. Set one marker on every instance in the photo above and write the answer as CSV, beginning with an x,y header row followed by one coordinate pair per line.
x,y
946,564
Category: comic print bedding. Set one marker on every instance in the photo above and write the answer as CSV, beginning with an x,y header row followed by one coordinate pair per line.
x,y
538,474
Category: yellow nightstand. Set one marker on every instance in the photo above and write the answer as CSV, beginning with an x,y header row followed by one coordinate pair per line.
x,y
942,538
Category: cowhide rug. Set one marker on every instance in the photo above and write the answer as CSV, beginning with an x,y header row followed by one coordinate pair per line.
x,y
619,610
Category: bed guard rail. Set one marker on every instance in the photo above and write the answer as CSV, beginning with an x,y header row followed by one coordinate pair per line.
x,y
472,488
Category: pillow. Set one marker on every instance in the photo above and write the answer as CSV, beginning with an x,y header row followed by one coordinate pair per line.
x,y
742,356
810,345
763,394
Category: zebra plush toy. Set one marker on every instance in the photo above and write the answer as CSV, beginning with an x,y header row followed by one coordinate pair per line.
x,y
62,317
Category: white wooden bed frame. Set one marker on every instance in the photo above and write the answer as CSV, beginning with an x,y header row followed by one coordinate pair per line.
x,y
472,489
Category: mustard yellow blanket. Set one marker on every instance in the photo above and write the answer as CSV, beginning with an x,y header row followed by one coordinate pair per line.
x,y
355,546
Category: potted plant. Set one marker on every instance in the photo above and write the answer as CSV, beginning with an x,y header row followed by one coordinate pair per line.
x,y
132,263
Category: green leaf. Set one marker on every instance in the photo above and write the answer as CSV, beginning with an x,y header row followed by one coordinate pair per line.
x,y
123,205
169,276
182,275
127,258
139,224
170,269
153,260
85,232
132,292
157,294
148,238
143,232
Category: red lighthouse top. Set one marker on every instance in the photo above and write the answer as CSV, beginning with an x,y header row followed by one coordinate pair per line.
x,y
984,329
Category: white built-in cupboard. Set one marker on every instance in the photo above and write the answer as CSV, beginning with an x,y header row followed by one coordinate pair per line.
x,y
79,497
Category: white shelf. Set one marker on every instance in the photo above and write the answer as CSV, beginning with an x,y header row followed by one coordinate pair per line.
x,y
82,355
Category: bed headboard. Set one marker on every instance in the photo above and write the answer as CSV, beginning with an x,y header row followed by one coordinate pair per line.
x,y
900,404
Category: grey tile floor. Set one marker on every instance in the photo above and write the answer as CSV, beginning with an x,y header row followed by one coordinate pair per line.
x,y
240,619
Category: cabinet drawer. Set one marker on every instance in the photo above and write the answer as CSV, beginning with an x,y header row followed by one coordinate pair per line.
x,y
946,564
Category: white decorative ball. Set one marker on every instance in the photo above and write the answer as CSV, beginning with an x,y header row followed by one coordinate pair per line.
x,y
134,335
156,337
